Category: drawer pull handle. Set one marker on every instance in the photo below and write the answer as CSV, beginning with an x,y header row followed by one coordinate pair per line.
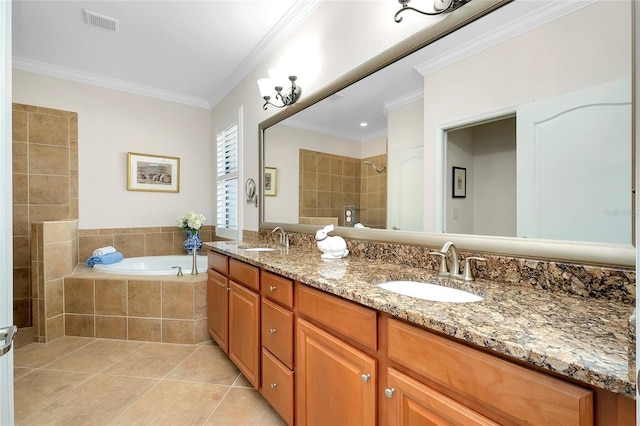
x,y
273,385
272,330
365,378
272,288
389,392
228,288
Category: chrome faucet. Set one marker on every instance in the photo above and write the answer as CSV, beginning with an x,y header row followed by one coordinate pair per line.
x,y
284,238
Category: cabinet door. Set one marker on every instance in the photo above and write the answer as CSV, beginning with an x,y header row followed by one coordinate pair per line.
x,y
335,383
413,403
218,308
244,331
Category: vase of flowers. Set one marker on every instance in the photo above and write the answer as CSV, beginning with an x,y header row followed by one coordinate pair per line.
x,y
191,223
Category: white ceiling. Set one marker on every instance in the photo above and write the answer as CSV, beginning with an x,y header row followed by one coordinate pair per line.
x,y
187,51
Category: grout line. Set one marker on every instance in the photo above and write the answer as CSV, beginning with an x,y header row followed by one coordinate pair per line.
x,y
219,402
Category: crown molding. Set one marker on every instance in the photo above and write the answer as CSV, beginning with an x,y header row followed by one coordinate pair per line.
x,y
513,28
402,101
107,82
280,31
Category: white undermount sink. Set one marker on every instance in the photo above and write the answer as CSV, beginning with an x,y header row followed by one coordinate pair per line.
x,y
429,291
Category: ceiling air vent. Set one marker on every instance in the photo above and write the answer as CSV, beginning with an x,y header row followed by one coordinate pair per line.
x,y
101,21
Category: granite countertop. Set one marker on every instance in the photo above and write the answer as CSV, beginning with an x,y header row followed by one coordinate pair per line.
x,y
584,339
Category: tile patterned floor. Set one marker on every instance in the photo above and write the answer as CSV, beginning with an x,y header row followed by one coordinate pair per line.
x,y
77,381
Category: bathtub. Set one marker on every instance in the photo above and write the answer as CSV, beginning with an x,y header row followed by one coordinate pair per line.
x,y
153,265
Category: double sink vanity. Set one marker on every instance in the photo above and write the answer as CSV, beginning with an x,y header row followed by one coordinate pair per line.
x,y
326,343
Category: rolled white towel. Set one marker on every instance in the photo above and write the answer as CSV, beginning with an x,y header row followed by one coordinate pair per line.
x,y
104,250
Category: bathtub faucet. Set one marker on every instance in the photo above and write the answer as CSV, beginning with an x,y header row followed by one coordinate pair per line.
x,y
179,270
194,263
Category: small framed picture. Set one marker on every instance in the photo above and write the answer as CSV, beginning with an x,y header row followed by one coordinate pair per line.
x,y
459,179
153,173
270,181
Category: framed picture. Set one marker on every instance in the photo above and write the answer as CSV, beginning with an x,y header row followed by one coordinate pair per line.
x,y
459,179
270,181
153,173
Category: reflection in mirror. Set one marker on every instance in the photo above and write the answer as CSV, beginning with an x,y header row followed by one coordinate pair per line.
x,y
536,109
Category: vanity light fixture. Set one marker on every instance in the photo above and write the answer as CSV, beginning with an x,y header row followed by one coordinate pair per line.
x,y
439,7
287,97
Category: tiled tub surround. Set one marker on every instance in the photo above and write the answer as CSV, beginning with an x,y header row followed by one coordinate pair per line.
x,y
168,309
58,249
582,338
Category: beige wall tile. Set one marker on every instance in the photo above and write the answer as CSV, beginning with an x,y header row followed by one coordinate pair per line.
x,y
111,327
74,209
48,129
201,332
19,157
146,329
48,159
158,244
79,295
21,252
87,244
42,322
144,298
53,295
19,126
60,231
49,190
73,126
55,328
130,245
111,231
21,220
73,154
39,213
200,299
79,325
55,112
73,184
20,186
22,107
111,297
58,260
178,331
22,312
21,283
177,300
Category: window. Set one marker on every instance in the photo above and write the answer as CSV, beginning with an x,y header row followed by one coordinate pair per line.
x,y
227,179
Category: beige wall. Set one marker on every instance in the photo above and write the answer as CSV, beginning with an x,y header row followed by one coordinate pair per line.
x,y
112,123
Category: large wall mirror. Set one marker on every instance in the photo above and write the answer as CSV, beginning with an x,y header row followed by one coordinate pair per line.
x,y
511,134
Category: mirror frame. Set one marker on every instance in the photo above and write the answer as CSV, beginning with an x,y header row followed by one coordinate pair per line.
x,y
554,250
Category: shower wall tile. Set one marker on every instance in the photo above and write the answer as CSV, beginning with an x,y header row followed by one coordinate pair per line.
x,y
20,220
21,283
54,299
48,129
49,190
20,187
58,260
21,252
19,156
48,159
55,328
41,213
19,126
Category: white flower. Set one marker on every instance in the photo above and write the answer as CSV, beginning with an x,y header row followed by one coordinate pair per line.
x,y
191,222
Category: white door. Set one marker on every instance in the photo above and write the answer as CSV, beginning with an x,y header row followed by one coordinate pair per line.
x,y
6,207
573,153
405,189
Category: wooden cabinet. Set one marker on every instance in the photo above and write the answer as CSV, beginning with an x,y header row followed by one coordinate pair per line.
x,y
335,383
512,392
218,308
244,331
277,344
414,403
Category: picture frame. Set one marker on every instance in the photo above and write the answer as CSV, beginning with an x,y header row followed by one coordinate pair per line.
x,y
459,182
153,173
270,181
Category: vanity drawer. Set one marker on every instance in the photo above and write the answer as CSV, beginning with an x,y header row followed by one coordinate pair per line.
x,y
504,387
347,318
277,386
245,274
277,331
218,261
277,288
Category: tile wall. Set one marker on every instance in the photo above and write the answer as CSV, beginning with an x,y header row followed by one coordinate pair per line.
x,y
45,187
330,182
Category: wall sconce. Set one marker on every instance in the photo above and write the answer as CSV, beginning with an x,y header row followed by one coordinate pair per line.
x,y
288,96
439,7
